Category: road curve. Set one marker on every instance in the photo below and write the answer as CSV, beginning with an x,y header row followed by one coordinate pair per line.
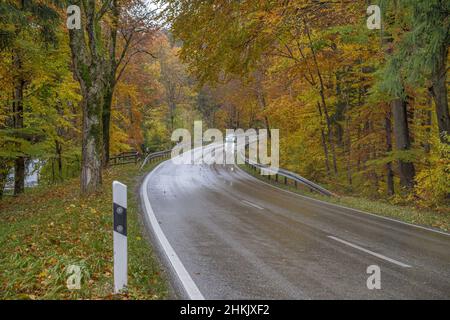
x,y
239,238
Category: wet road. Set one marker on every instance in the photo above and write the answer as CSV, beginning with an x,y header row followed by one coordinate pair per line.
x,y
239,238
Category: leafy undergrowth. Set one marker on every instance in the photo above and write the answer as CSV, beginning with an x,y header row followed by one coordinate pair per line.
x,y
50,228
429,218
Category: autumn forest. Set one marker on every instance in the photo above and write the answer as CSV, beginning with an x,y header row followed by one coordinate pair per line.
x,y
361,111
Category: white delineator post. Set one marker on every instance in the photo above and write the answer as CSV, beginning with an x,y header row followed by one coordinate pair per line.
x,y
120,236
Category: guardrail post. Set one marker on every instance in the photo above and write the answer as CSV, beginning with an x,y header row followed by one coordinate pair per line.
x,y
295,184
120,236
285,180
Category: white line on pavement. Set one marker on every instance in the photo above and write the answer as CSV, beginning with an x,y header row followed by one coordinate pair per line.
x,y
252,204
189,285
343,207
370,252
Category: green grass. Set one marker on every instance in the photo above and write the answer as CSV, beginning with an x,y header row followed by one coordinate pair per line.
x,y
429,218
49,228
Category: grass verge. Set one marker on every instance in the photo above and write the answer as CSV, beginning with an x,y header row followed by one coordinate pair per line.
x,y
427,218
49,228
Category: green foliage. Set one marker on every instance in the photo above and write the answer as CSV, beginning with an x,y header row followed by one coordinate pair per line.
x,y
433,182
50,107
38,18
419,47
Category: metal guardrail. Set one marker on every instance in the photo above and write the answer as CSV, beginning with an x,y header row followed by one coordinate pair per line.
x,y
155,156
288,175
158,155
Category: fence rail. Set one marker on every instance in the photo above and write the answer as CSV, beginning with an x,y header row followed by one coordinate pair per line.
x,y
135,157
125,158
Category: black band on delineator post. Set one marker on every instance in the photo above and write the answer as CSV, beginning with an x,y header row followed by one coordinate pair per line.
x,y
120,219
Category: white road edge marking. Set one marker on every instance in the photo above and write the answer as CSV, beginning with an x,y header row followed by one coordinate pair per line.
x,y
401,264
252,204
343,207
189,285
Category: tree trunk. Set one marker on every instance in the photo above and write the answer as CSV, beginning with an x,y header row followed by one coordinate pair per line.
x,y
110,84
172,108
53,170
402,142
330,135
262,99
324,104
439,91
389,171
106,119
262,104
348,146
19,166
19,176
2,185
58,144
58,149
4,169
92,146
324,142
91,70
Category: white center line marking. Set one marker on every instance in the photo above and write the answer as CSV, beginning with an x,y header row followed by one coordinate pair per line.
x,y
252,204
371,252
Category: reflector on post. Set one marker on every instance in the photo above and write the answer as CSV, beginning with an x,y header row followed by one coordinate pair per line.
x,y
120,236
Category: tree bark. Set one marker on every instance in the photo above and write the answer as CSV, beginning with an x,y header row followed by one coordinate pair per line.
x,y
348,142
402,142
349,152
2,184
106,122
58,144
324,104
19,165
58,149
110,84
4,170
89,69
261,98
439,92
389,171
172,108
92,146
324,142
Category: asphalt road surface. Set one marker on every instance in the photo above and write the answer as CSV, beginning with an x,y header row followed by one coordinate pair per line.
x,y
239,238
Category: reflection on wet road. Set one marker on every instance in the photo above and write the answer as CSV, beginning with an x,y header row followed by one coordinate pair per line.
x,y
239,238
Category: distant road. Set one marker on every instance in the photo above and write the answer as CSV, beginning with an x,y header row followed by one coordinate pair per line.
x,y
239,238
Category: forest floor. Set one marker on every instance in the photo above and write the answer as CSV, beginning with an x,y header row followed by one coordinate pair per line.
x,y
439,220
51,227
